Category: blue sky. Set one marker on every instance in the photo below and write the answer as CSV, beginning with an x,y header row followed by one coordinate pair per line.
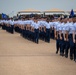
x,y
11,7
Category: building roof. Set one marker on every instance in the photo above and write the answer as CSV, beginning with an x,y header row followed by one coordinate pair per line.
x,y
29,11
54,10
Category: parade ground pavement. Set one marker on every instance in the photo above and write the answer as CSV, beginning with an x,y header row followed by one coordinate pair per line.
x,y
19,56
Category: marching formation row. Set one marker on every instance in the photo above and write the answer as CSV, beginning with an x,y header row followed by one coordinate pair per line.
x,y
32,28
61,29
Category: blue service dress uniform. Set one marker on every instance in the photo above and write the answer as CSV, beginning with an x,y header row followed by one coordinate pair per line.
x,y
58,29
36,30
47,38
75,43
71,30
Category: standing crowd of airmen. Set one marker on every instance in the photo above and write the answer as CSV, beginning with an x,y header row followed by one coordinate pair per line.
x,y
63,30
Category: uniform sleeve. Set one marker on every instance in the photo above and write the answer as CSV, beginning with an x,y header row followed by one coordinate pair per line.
x,y
75,26
55,25
50,23
57,28
32,24
67,28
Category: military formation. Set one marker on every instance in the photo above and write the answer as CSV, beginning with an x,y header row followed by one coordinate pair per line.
x,y
65,34
63,30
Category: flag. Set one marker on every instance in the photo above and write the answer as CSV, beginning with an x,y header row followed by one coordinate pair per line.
x,y
4,16
72,13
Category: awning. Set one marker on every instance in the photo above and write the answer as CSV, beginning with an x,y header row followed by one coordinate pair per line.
x,y
54,11
29,11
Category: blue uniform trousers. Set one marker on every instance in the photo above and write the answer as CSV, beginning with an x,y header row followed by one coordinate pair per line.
x,y
0,25
71,46
12,29
47,37
36,35
75,51
25,33
62,45
42,34
3,27
57,44
52,34
67,45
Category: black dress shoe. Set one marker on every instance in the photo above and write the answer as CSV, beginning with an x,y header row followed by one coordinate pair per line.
x,y
71,58
56,52
37,41
66,56
75,60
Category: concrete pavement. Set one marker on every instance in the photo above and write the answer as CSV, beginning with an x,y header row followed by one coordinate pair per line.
x,y
18,56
